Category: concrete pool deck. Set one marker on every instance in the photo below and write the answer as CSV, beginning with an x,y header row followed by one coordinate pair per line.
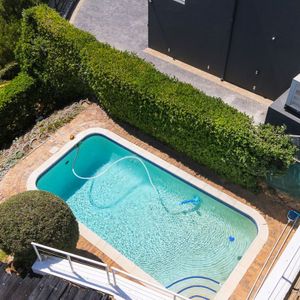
x,y
123,24
15,182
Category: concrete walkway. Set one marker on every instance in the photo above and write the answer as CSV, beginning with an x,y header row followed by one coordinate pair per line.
x,y
123,24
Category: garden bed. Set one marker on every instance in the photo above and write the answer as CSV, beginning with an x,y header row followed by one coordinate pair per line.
x,y
23,145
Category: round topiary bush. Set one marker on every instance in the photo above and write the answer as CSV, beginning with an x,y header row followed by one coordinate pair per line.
x,y
36,216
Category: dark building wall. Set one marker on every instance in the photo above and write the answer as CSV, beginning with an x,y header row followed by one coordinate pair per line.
x,y
250,43
196,33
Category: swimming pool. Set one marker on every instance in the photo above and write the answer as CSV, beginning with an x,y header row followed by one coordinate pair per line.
x,y
140,206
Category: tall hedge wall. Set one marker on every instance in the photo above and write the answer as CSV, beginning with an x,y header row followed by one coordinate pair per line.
x,y
68,61
17,106
50,52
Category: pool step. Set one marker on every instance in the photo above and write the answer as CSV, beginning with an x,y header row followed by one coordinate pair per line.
x,y
196,287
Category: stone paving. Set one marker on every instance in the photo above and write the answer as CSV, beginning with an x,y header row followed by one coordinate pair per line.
x,y
273,211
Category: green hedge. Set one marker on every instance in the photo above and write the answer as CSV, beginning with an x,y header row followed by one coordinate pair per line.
x,y
50,53
17,102
9,71
72,62
10,22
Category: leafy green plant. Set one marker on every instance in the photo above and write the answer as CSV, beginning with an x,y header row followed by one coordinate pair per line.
x,y
53,60
36,216
3,256
10,20
67,61
17,106
3,83
10,71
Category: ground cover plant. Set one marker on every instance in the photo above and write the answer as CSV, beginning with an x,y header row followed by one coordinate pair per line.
x,y
38,134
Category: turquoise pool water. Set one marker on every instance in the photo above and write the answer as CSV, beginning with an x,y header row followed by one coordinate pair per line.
x,y
166,239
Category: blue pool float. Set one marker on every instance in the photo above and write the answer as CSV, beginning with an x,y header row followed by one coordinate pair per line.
x,y
195,200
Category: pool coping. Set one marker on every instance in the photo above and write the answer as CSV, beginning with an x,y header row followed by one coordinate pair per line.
x,y
238,272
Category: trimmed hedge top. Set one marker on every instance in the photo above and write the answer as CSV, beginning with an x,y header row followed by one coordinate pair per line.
x,y
58,76
36,216
67,61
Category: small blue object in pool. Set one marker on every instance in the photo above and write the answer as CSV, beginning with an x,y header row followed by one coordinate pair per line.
x,y
231,238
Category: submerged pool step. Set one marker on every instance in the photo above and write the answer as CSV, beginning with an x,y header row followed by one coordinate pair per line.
x,y
196,287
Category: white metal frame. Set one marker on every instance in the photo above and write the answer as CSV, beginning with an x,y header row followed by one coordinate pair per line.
x,y
110,271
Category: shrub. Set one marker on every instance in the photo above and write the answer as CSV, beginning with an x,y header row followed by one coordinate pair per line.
x,y
36,216
3,256
17,111
9,33
206,129
50,53
10,15
10,71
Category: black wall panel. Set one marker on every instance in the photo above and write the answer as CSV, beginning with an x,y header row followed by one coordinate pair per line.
x,y
265,49
196,32
254,44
